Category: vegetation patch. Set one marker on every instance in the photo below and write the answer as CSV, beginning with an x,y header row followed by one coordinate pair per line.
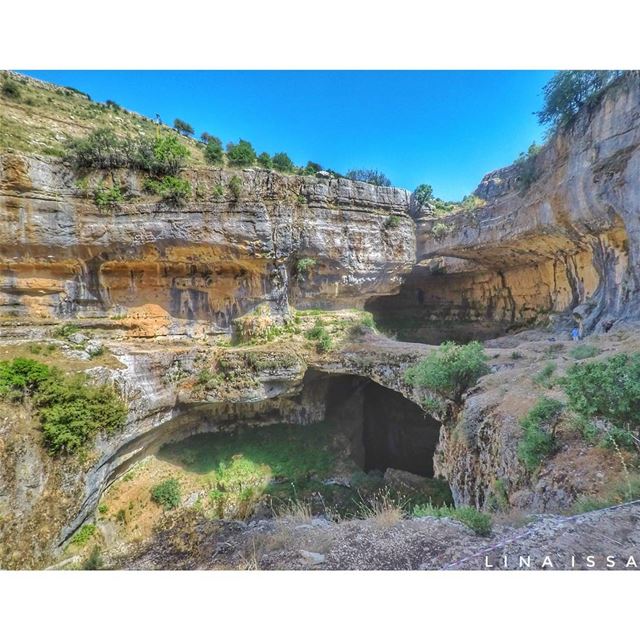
x,y
477,521
169,188
71,410
167,494
440,230
620,492
607,391
538,426
106,197
320,335
545,377
304,266
83,535
450,370
372,176
584,351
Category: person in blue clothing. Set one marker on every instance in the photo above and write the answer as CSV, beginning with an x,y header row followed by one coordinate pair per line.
x,y
575,334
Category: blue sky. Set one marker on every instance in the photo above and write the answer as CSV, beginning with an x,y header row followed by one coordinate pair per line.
x,y
445,128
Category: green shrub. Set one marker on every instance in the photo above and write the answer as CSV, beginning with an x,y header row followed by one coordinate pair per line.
x,y
539,440
183,127
83,535
311,168
424,194
169,188
317,331
71,410
106,197
584,351
471,202
368,320
526,166
392,222
166,155
451,369
235,186
21,377
213,152
516,355
65,331
167,494
608,389
102,508
321,336
545,377
264,160
325,343
282,162
102,149
11,89
476,520
372,176
304,267
440,230
242,154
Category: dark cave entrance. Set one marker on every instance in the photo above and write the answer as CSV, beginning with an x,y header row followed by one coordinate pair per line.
x,y
387,430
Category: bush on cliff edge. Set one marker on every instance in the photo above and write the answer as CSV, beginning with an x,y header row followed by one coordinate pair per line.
x,y
450,370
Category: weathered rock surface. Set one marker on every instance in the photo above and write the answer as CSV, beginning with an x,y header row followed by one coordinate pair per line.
x,y
569,239
209,260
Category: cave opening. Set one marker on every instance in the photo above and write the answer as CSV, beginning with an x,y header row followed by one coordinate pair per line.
x,y
370,427
387,430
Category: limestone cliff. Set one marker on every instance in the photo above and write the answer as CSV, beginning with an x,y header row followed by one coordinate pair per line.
x,y
198,265
567,240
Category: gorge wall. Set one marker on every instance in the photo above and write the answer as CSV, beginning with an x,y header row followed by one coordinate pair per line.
x,y
147,276
203,263
569,240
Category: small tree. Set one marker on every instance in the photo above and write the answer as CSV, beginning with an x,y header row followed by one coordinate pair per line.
x,y
424,194
450,370
242,154
312,168
166,155
264,160
213,152
568,91
183,127
205,137
282,162
372,176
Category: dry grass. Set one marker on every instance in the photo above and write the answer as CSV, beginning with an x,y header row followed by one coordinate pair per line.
x,y
295,512
382,510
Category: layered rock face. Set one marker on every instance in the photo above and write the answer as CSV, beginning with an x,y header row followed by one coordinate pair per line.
x,y
203,263
568,241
